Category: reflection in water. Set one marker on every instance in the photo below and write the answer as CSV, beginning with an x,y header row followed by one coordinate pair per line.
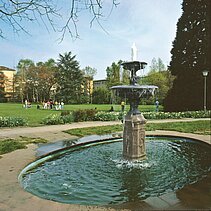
x,y
46,148
198,194
133,183
98,175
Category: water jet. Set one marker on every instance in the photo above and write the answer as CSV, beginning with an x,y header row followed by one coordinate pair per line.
x,y
134,122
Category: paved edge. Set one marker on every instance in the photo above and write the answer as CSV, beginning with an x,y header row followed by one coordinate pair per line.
x,y
13,197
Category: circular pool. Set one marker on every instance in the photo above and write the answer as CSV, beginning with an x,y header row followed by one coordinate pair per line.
x,y
96,174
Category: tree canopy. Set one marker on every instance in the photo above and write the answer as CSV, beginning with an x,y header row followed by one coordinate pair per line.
x,y
69,79
34,81
117,75
190,56
159,76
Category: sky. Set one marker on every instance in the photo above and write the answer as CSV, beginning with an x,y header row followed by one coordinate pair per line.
x,y
150,24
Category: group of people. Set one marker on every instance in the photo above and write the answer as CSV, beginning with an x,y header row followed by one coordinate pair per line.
x,y
50,104
27,104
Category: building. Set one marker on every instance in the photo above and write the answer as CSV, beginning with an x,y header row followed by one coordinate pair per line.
x,y
7,82
99,83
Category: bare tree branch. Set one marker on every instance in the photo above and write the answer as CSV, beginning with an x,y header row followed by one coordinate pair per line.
x,y
16,13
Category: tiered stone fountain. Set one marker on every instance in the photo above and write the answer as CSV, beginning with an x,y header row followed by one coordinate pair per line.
x,y
134,126
94,173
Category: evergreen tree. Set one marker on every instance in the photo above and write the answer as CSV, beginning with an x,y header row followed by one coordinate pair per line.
x,y
190,56
69,79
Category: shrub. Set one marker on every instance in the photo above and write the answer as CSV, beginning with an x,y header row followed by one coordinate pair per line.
x,y
176,115
84,115
56,119
112,116
79,115
65,113
67,118
108,116
12,121
52,119
92,114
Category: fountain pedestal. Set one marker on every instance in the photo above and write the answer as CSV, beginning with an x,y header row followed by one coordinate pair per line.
x,y
134,137
134,128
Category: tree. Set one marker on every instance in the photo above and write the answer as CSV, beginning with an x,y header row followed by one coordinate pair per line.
x,y
161,65
117,75
158,76
162,79
124,76
190,56
69,79
16,14
101,95
41,79
113,74
154,65
157,65
2,80
89,73
21,78
34,81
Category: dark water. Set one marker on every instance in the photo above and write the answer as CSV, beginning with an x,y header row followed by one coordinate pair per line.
x,y
99,176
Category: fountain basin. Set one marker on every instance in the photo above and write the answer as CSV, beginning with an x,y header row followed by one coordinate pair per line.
x,y
141,87
134,91
94,173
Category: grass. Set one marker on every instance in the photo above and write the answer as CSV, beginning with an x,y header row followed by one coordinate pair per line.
x,y
9,145
100,130
196,127
34,116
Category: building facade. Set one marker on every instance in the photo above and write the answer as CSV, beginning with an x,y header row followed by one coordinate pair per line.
x,y
7,82
99,83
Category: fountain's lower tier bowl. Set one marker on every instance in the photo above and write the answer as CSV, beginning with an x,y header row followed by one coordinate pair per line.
x,y
134,91
95,173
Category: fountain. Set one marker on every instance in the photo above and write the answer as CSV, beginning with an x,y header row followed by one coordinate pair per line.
x,y
94,171
134,132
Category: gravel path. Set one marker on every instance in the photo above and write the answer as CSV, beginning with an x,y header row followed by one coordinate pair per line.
x,y
55,132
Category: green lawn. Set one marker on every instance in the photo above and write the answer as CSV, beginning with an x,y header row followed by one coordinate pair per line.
x,y
197,127
34,116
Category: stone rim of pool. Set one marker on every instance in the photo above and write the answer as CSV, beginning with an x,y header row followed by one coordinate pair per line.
x,y
83,145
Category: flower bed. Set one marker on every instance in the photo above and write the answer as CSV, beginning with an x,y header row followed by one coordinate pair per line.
x,y
112,116
12,121
90,115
